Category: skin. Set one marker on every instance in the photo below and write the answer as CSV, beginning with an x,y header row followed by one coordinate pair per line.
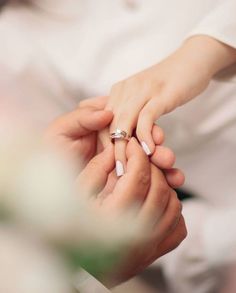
x,y
78,133
138,101
144,186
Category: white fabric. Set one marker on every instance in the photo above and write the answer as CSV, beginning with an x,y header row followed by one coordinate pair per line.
x,y
64,55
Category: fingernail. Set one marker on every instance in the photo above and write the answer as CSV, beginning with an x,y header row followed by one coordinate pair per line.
x,y
119,169
146,148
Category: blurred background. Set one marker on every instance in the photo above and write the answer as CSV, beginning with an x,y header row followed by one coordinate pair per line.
x,y
53,54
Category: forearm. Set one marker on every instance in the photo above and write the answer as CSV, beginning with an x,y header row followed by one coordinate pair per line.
x,y
188,71
208,54
144,97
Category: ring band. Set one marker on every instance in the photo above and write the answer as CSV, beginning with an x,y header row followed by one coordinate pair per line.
x,y
119,134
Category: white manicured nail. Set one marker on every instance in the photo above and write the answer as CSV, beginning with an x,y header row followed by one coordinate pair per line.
x,y
146,148
119,169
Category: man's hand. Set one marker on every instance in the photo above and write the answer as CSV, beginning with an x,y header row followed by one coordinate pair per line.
x,y
145,189
76,132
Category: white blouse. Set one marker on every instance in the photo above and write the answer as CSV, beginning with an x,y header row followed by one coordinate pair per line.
x,y
76,49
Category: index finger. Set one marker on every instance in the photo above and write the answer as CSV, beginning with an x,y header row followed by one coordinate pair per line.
x,y
80,122
98,102
132,187
94,176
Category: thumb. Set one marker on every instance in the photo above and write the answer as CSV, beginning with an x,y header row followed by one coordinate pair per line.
x,y
133,186
80,122
94,176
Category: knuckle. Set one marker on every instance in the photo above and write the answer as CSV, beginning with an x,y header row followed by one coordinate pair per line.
x,y
174,211
183,229
94,163
184,233
177,209
163,188
161,201
176,203
179,206
143,178
176,90
181,234
162,84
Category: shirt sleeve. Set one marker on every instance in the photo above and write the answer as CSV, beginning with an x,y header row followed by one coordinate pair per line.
x,y
196,265
220,24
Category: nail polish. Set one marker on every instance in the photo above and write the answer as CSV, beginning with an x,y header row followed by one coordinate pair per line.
x,y
146,148
119,169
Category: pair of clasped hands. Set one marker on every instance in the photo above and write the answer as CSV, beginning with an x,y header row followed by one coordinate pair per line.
x,y
144,175
147,182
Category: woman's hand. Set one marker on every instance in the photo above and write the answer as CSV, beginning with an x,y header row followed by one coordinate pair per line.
x,y
140,100
162,156
76,134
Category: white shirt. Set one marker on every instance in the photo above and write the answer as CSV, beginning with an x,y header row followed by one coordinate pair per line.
x,y
75,49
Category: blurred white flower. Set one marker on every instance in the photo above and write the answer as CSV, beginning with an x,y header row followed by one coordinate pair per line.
x,y
26,266
37,189
43,198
